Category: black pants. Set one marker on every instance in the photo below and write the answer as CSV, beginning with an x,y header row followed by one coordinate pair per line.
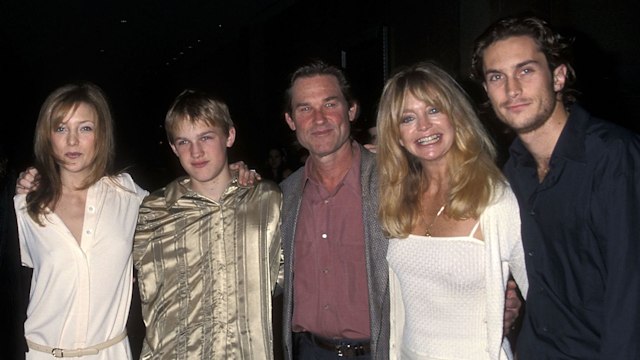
x,y
305,349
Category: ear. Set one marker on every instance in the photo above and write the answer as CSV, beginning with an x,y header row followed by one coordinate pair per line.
x,y
559,77
232,137
484,86
353,111
401,142
173,148
290,122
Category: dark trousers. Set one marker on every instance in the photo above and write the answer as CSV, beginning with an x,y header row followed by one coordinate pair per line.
x,y
304,348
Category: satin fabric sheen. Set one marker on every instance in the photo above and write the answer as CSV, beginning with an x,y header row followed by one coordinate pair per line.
x,y
207,270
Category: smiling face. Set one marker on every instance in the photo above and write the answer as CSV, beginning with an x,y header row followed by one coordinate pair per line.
x,y
73,141
320,114
426,132
519,84
202,151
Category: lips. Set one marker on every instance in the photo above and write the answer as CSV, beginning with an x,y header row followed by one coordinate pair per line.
x,y
199,164
73,155
428,140
516,107
320,132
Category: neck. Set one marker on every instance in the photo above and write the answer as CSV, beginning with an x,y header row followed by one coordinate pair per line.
x,y
213,189
72,182
541,142
330,169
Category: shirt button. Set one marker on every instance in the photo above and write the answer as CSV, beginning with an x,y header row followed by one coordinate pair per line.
x,y
532,212
326,307
89,231
324,236
326,201
544,328
92,209
530,253
325,271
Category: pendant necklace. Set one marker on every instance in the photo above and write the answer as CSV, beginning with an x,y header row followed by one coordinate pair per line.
x,y
427,233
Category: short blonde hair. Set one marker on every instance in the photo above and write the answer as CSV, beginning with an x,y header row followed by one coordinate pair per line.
x,y
194,106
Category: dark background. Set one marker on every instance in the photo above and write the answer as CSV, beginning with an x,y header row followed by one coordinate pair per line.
x,y
144,52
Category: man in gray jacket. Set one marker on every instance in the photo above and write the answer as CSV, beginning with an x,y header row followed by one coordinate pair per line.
x,y
340,306
337,304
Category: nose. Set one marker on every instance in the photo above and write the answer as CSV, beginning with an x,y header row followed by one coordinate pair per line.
x,y
318,116
72,138
513,88
196,150
424,123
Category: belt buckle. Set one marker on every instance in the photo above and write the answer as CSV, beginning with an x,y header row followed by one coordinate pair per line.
x,y
348,350
57,352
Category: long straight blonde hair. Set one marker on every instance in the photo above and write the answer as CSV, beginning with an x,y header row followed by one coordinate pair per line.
x,y
472,170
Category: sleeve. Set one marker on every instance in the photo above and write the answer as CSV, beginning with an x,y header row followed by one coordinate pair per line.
x,y
276,259
615,211
22,217
513,231
127,181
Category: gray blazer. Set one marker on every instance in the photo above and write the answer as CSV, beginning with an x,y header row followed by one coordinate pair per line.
x,y
375,248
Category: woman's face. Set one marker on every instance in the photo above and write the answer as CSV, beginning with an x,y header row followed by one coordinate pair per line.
x,y
74,140
425,131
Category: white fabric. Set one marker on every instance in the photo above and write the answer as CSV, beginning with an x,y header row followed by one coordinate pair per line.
x,y
502,249
80,294
442,279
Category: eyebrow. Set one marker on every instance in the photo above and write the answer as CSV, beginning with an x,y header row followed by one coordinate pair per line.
x,y
196,136
518,66
327,99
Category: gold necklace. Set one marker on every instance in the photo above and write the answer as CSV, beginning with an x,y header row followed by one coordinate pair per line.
x,y
427,233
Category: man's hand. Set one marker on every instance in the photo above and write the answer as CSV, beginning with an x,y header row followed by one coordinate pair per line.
x,y
512,306
246,177
27,181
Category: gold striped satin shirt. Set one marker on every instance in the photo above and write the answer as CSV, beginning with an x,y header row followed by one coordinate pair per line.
x,y
207,270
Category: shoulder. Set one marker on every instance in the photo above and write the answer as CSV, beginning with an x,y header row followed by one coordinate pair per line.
x,y
268,186
293,181
267,189
124,182
604,135
503,199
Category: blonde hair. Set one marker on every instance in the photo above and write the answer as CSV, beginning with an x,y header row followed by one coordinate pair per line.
x,y
193,106
472,169
57,106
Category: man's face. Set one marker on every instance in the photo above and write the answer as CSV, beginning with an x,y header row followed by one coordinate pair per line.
x,y
320,114
202,151
520,86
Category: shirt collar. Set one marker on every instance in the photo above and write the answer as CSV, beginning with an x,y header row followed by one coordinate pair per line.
x,y
570,145
351,178
181,188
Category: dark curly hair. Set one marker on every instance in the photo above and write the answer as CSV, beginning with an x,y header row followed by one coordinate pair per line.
x,y
556,48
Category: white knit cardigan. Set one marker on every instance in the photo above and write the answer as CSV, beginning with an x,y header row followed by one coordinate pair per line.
x,y
500,224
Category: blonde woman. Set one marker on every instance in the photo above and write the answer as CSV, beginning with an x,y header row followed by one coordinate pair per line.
x,y
452,220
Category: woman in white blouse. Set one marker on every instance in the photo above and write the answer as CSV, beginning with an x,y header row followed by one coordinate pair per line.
x,y
76,230
452,220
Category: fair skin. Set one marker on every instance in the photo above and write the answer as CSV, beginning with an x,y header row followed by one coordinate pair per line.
x,y
321,119
525,95
428,134
73,143
202,151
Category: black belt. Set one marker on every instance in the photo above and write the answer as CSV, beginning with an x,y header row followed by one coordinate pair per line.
x,y
342,347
